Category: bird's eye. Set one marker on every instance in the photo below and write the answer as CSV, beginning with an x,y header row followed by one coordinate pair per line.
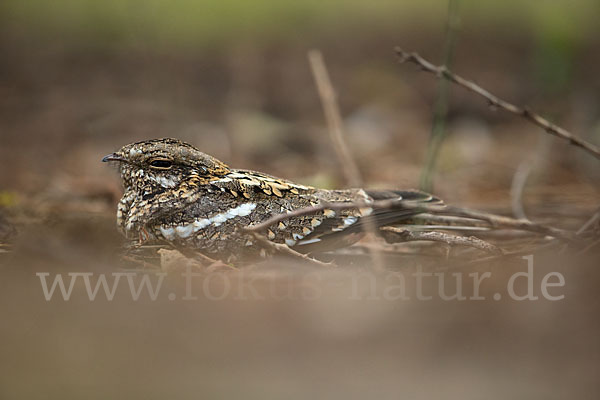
x,y
161,163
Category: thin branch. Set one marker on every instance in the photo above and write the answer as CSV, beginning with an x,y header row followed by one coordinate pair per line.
x,y
336,133
517,187
204,259
394,235
333,116
380,204
499,221
495,221
583,229
134,260
522,252
284,249
451,222
443,72
589,247
589,222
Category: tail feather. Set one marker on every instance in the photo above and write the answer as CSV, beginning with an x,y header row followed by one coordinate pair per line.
x,y
383,217
408,195
330,236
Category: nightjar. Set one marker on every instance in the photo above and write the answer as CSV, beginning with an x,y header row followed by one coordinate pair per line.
x,y
176,194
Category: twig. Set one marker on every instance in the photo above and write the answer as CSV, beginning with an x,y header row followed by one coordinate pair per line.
x,y
495,221
589,222
335,124
516,189
333,117
394,234
589,247
134,260
324,206
529,250
284,249
204,259
450,221
443,72
498,221
522,175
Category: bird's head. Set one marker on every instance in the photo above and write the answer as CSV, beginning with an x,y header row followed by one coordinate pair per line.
x,y
163,163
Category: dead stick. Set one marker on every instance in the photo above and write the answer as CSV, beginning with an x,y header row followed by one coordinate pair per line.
x,y
395,234
589,247
284,249
595,217
443,72
515,253
316,209
333,117
335,125
494,220
499,221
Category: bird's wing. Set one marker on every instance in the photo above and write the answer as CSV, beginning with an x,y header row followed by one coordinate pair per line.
x,y
347,227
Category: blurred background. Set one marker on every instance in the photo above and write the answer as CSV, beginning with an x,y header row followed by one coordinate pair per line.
x,y
81,78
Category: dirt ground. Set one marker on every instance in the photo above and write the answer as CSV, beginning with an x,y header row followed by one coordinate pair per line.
x,y
334,333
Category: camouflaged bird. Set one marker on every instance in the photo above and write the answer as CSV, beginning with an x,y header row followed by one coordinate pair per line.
x,y
174,193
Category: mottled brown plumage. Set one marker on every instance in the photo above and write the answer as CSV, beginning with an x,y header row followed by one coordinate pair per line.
x,y
177,194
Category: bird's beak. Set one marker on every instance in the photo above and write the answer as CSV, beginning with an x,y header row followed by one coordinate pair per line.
x,y
112,157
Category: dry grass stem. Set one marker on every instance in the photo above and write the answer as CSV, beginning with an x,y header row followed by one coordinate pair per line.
x,y
517,188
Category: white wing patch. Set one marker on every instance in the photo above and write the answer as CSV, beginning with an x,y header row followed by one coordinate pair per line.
x,y
309,241
168,233
186,230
